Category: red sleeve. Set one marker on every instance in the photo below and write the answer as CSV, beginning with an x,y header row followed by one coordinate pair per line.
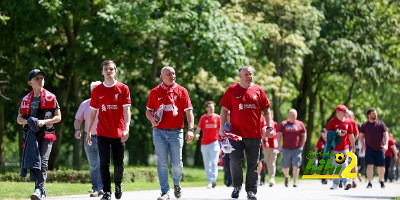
x,y
330,126
187,103
304,128
391,143
354,128
264,100
94,99
150,101
281,128
126,96
276,126
219,122
226,99
362,129
318,145
201,122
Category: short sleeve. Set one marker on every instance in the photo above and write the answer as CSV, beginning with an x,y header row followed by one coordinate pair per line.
x,y
276,127
362,128
330,126
94,99
201,122
385,129
150,102
226,100
126,101
187,103
303,127
281,127
264,100
355,128
79,114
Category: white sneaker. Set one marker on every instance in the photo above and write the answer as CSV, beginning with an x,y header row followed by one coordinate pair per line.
x,y
209,186
164,196
37,195
271,182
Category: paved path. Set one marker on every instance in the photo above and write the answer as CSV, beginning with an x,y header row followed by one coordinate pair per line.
x,y
307,190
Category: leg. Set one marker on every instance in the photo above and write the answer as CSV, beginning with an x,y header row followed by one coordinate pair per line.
x,y
381,173
92,154
175,141
118,159
391,169
45,150
286,162
161,147
387,165
252,149
104,153
227,170
214,153
296,162
205,151
236,160
370,172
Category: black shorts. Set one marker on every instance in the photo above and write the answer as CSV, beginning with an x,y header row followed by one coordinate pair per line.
x,y
373,157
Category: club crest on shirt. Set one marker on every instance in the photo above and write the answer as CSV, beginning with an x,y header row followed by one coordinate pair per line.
x,y
116,96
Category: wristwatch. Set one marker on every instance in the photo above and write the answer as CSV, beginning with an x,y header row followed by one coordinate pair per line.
x,y
191,129
270,128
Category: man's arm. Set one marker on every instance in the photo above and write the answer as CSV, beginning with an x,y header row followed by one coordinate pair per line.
x,y
55,119
222,116
198,130
352,142
304,138
92,117
77,126
385,141
190,120
151,118
361,140
127,122
21,120
279,136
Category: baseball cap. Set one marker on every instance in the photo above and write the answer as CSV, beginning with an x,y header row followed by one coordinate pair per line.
x,y
341,108
34,72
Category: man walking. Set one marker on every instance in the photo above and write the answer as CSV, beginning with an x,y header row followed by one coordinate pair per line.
x,y
376,137
112,101
245,101
165,107
38,112
92,151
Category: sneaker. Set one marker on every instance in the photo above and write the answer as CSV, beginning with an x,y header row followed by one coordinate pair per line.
x,y
213,184
235,193
287,182
101,192
348,186
324,181
118,191
37,194
262,183
382,184
294,184
106,196
94,194
209,186
177,191
354,184
164,196
334,187
251,196
43,197
271,182
369,185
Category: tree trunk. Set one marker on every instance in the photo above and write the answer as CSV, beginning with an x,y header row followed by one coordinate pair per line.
x,y
77,157
276,104
156,62
2,160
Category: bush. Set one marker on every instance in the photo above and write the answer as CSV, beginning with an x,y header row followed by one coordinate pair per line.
x,y
73,176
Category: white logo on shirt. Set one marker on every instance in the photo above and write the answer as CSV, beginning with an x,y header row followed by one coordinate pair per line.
x,y
160,98
100,97
240,106
255,97
238,97
103,108
116,96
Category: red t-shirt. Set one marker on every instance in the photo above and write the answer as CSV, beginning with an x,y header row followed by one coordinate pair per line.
x,y
347,126
245,106
320,144
389,151
110,102
169,104
292,134
273,141
210,127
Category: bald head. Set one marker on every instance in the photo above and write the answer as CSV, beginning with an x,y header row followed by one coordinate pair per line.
x,y
168,75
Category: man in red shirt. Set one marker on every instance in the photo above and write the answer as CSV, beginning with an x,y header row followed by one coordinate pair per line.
x,y
346,132
245,101
166,106
209,125
294,137
390,159
375,145
319,148
270,150
112,101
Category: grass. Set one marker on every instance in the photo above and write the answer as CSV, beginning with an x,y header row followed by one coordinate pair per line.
x,y
193,177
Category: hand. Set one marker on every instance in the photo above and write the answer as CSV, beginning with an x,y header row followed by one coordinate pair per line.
x,y
78,134
40,123
280,149
362,150
341,134
384,148
125,136
271,134
189,136
197,136
221,133
154,123
89,139
353,149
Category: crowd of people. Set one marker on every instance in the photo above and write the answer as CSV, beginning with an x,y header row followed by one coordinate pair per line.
x,y
245,114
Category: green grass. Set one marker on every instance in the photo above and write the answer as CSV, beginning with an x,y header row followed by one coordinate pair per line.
x,y
193,177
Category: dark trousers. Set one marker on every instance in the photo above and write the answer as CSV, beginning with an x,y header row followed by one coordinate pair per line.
x,y
251,147
389,168
227,170
45,150
105,144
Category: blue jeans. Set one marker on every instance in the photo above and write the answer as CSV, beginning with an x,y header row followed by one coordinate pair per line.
x,y
92,153
168,142
210,154
344,165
